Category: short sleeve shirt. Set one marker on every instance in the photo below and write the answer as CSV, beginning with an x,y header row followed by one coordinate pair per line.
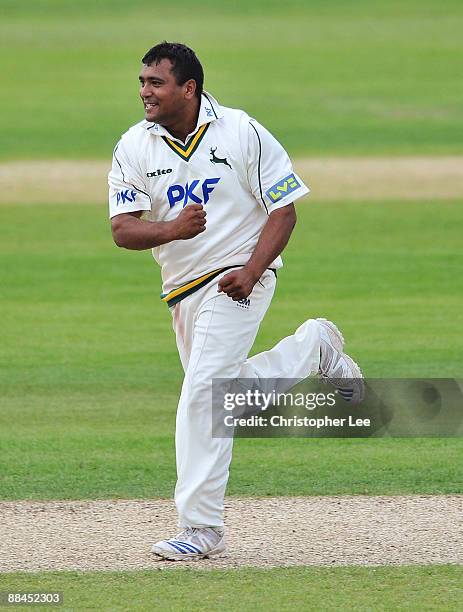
x,y
230,164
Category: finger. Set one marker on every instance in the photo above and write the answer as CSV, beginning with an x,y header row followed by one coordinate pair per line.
x,y
224,289
194,206
233,292
197,220
196,214
225,282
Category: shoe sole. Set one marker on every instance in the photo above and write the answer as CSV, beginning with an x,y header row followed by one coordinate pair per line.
x,y
187,556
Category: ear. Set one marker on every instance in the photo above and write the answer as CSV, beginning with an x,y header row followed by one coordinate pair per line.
x,y
190,89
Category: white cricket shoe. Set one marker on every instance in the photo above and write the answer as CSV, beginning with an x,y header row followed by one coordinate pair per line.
x,y
192,543
338,368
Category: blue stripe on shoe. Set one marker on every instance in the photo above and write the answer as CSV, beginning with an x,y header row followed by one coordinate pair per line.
x,y
177,547
191,547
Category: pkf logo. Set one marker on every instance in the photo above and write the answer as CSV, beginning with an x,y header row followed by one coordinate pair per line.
x,y
282,188
126,195
180,193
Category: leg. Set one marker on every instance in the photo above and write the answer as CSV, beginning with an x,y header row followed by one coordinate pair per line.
x,y
316,347
221,333
295,357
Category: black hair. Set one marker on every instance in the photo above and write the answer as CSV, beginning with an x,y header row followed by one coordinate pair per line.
x,y
185,64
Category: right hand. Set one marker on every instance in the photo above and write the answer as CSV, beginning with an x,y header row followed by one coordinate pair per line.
x,y
190,222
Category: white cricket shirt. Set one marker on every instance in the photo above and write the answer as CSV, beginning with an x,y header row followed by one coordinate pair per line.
x,y
230,164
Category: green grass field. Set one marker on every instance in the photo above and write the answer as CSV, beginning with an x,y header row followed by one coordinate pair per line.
x,y
365,589
91,376
89,373
344,77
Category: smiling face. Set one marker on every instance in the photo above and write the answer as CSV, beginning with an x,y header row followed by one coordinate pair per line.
x,y
165,101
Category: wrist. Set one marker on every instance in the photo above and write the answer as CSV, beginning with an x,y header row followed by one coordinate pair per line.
x,y
254,271
170,231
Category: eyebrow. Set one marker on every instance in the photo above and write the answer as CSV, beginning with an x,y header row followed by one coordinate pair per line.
x,y
141,79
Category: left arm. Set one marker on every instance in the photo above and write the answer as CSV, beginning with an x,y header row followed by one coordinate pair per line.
x,y
238,284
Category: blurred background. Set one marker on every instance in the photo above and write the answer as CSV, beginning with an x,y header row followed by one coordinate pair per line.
x,y
341,77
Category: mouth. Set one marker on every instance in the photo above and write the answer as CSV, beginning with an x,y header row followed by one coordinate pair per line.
x,y
150,105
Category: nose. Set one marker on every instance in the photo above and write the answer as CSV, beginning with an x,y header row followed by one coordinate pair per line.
x,y
145,90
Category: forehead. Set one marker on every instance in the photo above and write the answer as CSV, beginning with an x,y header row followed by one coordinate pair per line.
x,y
163,70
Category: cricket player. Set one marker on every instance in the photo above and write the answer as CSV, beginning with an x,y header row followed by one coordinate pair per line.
x,y
211,192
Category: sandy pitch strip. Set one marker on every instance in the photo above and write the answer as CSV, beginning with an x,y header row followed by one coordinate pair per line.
x,y
364,179
264,532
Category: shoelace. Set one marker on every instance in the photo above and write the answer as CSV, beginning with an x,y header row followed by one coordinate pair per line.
x,y
202,536
186,532
334,363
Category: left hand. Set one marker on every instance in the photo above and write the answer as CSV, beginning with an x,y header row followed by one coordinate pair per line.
x,y
237,284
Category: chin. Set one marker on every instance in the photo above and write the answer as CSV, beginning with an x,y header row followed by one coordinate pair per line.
x,y
154,117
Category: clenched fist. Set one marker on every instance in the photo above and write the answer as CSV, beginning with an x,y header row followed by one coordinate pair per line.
x,y
237,284
190,222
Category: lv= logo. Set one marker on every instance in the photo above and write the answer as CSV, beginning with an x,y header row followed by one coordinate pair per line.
x,y
283,187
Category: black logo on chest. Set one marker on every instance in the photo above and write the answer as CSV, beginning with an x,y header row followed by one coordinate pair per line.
x,y
219,160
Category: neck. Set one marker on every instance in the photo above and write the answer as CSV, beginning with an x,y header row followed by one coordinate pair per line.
x,y
183,126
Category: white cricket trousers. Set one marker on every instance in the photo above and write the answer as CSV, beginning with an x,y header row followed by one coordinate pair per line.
x,y
214,336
